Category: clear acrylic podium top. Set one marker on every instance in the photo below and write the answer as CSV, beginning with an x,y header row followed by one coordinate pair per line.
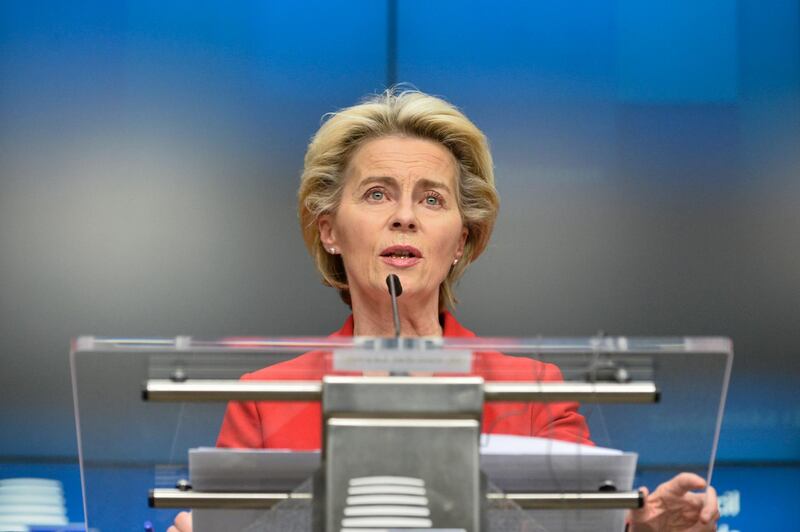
x,y
128,445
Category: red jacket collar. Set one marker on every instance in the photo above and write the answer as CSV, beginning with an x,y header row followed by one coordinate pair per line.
x,y
451,327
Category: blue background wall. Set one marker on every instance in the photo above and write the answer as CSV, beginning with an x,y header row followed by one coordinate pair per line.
x,y
647,158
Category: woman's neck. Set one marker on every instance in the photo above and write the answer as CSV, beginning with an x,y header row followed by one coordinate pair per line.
x,y
375,318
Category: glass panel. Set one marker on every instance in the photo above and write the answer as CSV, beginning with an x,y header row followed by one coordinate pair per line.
x,y
128,446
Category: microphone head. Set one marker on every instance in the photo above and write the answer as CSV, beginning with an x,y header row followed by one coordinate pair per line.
x,y
393,279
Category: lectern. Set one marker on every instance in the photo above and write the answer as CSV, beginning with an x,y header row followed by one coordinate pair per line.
x,y
401,423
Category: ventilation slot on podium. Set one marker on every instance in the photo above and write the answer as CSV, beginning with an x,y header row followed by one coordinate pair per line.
x,y
386,502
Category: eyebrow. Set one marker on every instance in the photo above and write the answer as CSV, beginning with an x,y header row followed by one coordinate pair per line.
x,y
391,181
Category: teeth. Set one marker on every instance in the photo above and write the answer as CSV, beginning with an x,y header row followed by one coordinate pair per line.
x,y
402,254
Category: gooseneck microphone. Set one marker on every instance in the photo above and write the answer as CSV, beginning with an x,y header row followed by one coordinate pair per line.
x,y
395,290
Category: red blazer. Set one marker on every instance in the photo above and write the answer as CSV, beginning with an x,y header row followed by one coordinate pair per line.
x,y
297,425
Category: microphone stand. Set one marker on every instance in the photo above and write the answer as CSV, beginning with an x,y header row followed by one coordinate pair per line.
x,y
395,290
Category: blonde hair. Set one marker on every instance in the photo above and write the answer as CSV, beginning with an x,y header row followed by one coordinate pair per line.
x,y
394,112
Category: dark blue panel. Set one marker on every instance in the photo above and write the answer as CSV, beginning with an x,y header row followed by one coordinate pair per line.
x,y
762,420
506,49
677,51
678,144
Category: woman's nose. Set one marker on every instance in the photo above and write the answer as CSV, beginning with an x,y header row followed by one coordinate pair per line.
x,y
405,219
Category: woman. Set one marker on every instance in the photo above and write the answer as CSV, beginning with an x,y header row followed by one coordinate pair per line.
x,y
403,184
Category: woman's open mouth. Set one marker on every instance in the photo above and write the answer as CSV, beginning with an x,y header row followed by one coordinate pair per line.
x,y
401,256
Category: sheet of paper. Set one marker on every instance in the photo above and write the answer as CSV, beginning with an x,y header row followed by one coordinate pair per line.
x,y
507,444
213,469
510,462
519,463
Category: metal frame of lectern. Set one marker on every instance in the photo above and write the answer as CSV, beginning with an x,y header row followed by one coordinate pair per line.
x,y
391,424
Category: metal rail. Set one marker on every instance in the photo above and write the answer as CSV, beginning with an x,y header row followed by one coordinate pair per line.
x,y
231,390
236,390
174,498
583,392
565,501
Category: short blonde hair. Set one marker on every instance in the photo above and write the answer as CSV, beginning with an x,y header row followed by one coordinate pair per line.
x,y
394,112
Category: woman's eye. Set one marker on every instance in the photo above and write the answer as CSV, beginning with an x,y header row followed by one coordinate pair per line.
x,y
433,200
375,195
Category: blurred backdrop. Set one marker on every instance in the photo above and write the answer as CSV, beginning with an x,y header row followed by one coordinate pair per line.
x,y
646,154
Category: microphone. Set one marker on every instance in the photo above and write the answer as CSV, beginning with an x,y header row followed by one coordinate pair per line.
x,y
395,290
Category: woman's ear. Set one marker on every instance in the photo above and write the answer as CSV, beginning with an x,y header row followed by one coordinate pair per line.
x,y
326,232
462,242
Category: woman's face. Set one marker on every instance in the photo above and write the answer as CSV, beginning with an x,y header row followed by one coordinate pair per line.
x,y
398,214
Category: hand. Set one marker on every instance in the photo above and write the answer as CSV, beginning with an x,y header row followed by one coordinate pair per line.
x,y
183,523
674,507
